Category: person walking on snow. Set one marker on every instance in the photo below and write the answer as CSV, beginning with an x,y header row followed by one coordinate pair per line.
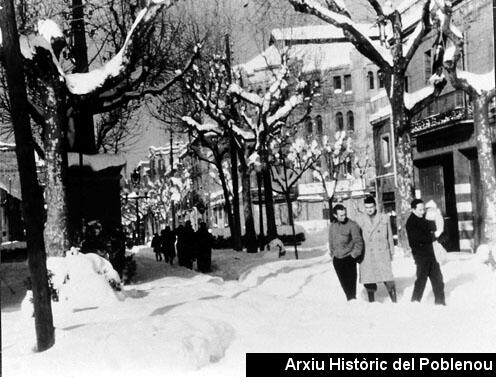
x,y
379,247
156,247
420,237
345,246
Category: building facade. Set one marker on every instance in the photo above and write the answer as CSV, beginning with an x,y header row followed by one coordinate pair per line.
x,y
444,141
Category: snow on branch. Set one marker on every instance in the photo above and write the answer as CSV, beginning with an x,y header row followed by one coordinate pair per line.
x,y
115,68
376,53
285,110
417,100
202,128
480,82
424,26
247,135
113,102
275,88
251,98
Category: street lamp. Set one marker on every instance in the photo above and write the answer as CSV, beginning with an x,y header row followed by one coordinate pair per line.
x,y
135,179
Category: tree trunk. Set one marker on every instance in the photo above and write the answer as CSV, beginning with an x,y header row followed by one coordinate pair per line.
x,y
250,234
261,234
236,230
487,167
227,201
56,228
291,221
405,185
269,205
32,203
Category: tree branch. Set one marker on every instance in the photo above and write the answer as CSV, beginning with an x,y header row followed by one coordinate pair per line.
x,y
378,55
423,28
132,95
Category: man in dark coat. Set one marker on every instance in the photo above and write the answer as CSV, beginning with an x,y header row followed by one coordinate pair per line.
x,y
420,237
345,246
168,240
156,247
204,243
189,244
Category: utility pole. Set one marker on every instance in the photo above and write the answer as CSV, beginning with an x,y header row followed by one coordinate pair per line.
x,y
236,232
171,161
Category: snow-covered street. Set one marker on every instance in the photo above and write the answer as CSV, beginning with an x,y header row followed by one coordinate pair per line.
x,y
183,323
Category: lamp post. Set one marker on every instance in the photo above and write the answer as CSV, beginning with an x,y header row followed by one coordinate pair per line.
x,y
135,179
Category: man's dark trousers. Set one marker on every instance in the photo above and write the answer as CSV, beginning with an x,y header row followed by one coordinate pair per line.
x,y
428,267
347,274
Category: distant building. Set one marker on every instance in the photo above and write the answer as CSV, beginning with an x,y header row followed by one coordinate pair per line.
x,y
11,222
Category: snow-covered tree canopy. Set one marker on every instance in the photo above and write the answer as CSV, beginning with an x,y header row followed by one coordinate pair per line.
x,y
264,114
289,159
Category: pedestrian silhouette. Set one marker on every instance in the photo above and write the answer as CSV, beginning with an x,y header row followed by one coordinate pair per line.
x,y
204,242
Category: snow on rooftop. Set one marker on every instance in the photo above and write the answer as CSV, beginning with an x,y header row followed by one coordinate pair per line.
x,y
381,113
318,32
97,162
314,56
481,82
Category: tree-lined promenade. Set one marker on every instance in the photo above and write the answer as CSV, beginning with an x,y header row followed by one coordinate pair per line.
x,y
74,89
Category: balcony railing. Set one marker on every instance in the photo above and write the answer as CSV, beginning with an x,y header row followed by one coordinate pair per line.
x,y
444,110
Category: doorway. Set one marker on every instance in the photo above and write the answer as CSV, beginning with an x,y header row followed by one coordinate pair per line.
x,y
436,181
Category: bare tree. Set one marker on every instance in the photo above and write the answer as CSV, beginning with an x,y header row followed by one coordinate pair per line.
x,y
265,114
288,162
211,144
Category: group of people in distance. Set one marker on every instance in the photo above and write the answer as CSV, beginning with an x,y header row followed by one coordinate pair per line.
x,y
368,241
187,244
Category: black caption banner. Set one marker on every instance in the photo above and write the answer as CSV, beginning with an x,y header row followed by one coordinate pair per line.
x,y
329,364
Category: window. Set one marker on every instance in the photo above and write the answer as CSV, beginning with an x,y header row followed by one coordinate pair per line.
x,y
385,149
347,83
370,79
309,126
337,82
351,120
427,65
380,76
339,121
318,122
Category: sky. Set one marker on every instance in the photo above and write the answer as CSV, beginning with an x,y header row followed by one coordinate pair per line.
x,y
185,323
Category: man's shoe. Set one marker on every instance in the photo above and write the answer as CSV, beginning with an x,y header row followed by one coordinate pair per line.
x,y
371,296
392,294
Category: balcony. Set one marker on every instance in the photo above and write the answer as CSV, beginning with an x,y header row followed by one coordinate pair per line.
x,y
444,111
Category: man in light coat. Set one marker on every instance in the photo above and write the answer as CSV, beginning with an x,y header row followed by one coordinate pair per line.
x,y
379,247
